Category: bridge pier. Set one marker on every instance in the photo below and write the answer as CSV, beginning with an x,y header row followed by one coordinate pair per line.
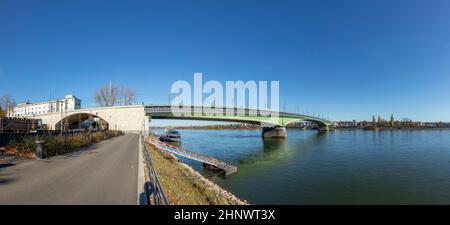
x,y
325,129
274,132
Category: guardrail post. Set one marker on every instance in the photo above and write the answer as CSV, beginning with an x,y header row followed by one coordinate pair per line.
x,y
153,187
40,149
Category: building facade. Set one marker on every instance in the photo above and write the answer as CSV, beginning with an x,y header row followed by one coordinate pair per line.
x,y
26,109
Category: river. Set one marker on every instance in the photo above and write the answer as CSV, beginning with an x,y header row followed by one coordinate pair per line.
x,y
339,167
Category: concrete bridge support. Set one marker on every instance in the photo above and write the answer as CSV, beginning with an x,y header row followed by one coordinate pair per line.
x,y
324,129
274,132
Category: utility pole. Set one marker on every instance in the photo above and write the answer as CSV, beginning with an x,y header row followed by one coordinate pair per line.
x,y
110,93
61,122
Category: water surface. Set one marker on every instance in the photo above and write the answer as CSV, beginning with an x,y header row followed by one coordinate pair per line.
x,y
339,167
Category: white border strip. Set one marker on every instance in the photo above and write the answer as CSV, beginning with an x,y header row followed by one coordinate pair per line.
x,y
141,198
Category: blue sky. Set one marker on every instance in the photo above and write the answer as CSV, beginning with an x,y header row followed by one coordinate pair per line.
x,y
346,59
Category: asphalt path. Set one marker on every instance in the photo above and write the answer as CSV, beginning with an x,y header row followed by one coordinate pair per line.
x,y
105,173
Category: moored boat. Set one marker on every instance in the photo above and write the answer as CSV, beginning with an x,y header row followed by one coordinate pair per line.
x,y
171,136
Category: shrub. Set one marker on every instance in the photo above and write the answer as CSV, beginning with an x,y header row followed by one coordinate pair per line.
x,y
55,145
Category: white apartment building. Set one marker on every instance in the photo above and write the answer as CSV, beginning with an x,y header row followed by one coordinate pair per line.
x,y
26,109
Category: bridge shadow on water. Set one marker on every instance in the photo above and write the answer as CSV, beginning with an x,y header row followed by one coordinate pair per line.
x,y
276,152
257,155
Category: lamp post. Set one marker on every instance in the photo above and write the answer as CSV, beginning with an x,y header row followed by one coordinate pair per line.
x,y
61,114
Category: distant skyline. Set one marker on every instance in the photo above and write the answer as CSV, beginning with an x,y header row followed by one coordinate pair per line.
x,y
343,60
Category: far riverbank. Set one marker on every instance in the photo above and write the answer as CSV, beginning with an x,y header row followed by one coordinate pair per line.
x,y
254,127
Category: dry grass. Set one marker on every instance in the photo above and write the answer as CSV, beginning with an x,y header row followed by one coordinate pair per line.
x,y
56,145
184,186
8,150
179,188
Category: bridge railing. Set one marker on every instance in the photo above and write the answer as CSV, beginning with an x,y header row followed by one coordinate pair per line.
x,y
200,110
153,188
188,111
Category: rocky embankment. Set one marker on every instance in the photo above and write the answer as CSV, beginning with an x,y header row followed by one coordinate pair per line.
x,y
185,186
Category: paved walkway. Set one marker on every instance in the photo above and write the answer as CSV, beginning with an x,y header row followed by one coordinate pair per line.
x,y
105,173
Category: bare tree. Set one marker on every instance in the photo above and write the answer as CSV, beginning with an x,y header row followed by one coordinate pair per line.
x,y
107,95
7,102
127,95
114,95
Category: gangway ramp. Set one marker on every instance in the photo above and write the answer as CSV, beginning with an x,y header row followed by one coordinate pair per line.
x,y
227,168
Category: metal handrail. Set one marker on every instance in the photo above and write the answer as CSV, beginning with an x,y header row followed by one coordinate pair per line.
x,y
186,152
153,188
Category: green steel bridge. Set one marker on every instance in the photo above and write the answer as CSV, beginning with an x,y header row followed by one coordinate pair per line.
x,y
273,123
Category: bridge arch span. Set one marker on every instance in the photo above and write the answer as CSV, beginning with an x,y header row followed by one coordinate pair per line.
x,y
81,120
273,123
125,118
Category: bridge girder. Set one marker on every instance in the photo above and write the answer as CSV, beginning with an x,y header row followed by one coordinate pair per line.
x,y
194,113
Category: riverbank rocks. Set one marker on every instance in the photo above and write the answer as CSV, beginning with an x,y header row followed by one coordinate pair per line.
x,y
210,192
213,189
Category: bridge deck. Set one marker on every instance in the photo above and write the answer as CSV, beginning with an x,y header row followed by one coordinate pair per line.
x,y
231,114
227,168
